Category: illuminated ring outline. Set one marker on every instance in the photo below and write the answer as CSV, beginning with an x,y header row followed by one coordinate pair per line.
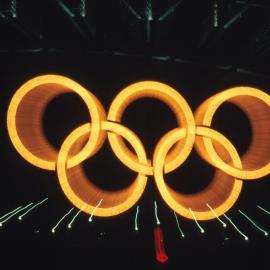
x,y
113,203
24,120
215,194
176,103
256,105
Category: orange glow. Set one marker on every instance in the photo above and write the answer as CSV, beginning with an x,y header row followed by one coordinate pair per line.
x,y
81,192
255,104
24,122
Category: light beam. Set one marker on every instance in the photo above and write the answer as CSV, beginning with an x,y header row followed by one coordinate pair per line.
x,y
236,228
32,208
136,218
14,214
156,214
253,223
197,223
264,210
178,225
9,213
73,219
93,212
53,230
215,214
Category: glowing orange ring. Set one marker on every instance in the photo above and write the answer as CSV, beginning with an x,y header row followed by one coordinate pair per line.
x,y
82,193
175,102
256,105
221,194
24,120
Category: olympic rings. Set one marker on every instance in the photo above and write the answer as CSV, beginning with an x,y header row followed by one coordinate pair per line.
x,y
24,118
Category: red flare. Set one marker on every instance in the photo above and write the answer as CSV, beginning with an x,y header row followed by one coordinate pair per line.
x,y
161,255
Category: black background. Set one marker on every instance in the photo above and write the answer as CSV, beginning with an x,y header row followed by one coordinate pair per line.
x,y
113,242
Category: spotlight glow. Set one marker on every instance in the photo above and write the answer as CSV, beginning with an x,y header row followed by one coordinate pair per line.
x,y
236,228
14,214
215,214
197,223
32,208
253,223
178,225
156,214
136,218
53,230
93,212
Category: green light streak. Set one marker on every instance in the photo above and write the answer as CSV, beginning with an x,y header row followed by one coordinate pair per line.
x,y
14,214
73,219
253,222
215,214
53,230
264,210
178,225
156,214
236,228
197,223
136,217
32,208
9,213
93,212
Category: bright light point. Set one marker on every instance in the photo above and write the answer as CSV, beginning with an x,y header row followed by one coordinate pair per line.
x,y
92,214
76,215
236,228
32,208
195,219
178,225
15,213
61,219
217,217
253,223
19,218
266,234
136,229
1,224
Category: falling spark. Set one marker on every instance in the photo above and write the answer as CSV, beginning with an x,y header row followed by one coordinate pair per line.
x,y
245,237
156,214
215,214
197,223
14,214
91,217
9,213
253,222
61,219
73,219
264,210
32,208
178,225
136,218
